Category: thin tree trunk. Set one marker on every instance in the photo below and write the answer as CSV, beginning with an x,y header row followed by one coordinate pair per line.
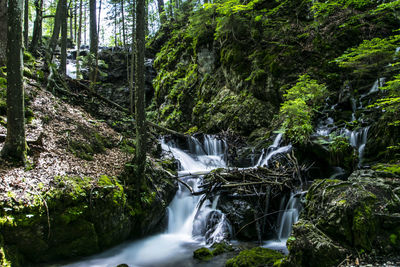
x,y
98,21
26,23
161,13
123,23
75,21
37,27
15,145
85,25
133,53
3,32
79,40
139,93
115,25
64,33
71,28
56,30
93,42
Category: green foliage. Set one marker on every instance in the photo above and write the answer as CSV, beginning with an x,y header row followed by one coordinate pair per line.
x,y
370,55
297,124
298,109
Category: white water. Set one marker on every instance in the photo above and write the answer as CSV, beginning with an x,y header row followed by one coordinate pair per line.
x,y
358,140
272,151
288,216
186,224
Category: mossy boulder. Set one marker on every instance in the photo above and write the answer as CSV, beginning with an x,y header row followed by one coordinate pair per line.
x,y
77,218
308,246
255,257
361,213
203,254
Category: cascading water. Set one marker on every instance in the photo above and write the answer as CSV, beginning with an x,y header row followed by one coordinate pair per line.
x,y
272,151
288,216
358,140
187,228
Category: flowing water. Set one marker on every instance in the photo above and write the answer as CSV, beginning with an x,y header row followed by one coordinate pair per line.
x,y
188,226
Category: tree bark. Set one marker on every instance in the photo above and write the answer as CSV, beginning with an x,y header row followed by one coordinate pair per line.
x,y
93,42
26,23
37,27
139,93
3,32
56,30
133,53
78,44
15,145
160,4
64,33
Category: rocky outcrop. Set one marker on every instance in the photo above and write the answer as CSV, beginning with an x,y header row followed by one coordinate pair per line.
x,y
360,214
80,216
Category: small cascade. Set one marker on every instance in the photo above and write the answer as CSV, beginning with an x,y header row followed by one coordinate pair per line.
x,y
325,127
358,140
272,151
289,217
375,87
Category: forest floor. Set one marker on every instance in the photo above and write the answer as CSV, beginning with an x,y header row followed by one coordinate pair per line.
x,y
69,135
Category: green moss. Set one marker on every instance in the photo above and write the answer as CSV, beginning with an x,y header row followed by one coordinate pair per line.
x,y
389,168
203,254
255,257
220,248
393,239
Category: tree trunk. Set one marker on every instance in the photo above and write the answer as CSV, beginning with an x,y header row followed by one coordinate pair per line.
x,y
115,25
93,42
133,53
75,21
26,23
123,23
56,30
98,23
71,27
3,32
139,93
85,25
37,27
15,146
64,33
79,40
160,4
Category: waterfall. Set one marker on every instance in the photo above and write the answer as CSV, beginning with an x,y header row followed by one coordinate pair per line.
x,y
273,150
358,140
190,226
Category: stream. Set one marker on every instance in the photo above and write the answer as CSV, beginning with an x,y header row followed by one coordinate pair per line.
x,y
186,230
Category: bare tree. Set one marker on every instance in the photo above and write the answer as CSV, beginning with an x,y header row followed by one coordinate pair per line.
x,y
15,145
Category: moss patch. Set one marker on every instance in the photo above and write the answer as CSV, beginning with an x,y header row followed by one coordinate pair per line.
x,y
255,257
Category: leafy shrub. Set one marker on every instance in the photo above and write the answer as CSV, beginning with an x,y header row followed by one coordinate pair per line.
x,y
298,109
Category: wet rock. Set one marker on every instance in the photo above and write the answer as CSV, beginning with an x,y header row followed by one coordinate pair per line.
x,y
218,228
308,246
361,213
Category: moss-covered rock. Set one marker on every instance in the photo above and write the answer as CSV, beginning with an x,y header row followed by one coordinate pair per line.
x,y
308,246
255,257
203,254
